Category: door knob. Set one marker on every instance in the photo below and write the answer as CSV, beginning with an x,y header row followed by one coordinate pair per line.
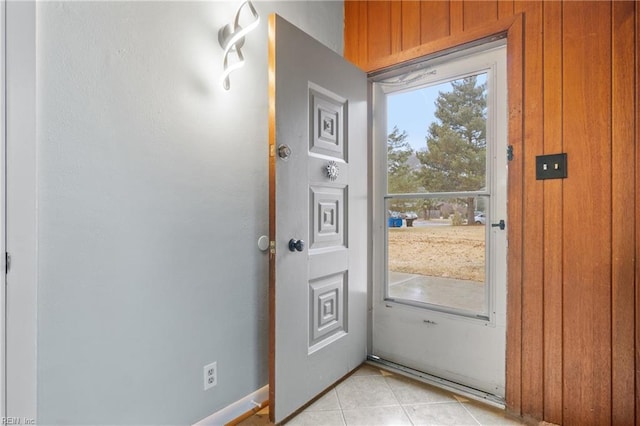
x,y
296,245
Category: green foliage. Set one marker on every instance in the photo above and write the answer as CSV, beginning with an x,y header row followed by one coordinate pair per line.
x,y
457,220
455,157
464,110
400,175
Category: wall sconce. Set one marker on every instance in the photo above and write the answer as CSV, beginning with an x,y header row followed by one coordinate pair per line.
x,y
231,38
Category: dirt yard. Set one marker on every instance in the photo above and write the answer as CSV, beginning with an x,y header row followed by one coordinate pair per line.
x,y
438,250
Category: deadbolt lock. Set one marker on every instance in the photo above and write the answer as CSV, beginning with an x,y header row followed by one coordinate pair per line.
x,y
284,152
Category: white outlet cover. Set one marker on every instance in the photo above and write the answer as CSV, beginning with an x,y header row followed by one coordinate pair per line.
x,y
210,375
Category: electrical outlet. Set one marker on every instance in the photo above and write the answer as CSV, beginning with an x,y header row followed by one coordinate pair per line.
x,y
210,375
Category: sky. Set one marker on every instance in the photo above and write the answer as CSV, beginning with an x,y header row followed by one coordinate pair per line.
x,y
413,111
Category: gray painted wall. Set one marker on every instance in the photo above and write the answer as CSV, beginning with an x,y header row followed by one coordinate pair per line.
x,y
152,192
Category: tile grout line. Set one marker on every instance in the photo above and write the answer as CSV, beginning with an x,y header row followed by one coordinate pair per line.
x,y
344,419
397,404
404,410
432,403
470,413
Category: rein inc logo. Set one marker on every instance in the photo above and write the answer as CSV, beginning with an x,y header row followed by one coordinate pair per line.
x,y
18,421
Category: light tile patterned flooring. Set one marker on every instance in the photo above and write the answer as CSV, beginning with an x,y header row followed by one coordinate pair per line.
x,y
374,397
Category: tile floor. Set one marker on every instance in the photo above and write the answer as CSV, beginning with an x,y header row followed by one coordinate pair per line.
x,y
376,397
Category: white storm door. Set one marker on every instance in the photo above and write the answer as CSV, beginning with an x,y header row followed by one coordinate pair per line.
x,y
440,225
318,217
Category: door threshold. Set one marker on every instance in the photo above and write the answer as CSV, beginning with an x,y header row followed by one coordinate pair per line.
x,y
438,382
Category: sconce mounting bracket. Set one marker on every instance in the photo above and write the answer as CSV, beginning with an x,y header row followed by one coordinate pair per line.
x,y
225,33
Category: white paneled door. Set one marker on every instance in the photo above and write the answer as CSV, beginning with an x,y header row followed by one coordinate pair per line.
x,y
318,217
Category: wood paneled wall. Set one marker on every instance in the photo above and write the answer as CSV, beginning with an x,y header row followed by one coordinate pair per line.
x,y
574,300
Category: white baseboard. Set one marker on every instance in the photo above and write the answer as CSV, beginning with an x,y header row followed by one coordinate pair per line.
x,y
238,408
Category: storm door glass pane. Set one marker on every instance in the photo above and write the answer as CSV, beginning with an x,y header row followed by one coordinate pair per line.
x,y
437,196
435,256
437,137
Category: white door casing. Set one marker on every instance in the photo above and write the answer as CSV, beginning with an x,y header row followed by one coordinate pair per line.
x,y
318,109
458,348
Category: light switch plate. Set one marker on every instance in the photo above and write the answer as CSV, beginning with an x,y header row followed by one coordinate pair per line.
x,y
552,166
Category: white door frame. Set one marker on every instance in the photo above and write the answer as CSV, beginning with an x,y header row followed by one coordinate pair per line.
x,y
20,211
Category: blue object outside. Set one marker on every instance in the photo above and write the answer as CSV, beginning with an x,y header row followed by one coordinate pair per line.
x,y
395,222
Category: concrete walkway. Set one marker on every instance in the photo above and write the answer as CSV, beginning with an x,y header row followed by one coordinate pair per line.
x,y
450,292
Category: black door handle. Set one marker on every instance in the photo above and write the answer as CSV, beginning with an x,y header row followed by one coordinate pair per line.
x,y
296,245
500,225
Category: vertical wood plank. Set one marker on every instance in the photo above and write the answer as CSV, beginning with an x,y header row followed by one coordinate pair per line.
x,y
456,13
623,226
351,35
410,24
532,279
479,12
637,213
379,29
505,8
396,26
363,30
434,20
586,216
356,32
552,45
515,75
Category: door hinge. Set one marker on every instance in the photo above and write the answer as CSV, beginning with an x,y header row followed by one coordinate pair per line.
x,y
510,153
7,262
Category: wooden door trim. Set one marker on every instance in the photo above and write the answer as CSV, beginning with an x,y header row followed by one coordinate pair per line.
x,y
512,28
498,28
637,214
515,212
272,209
